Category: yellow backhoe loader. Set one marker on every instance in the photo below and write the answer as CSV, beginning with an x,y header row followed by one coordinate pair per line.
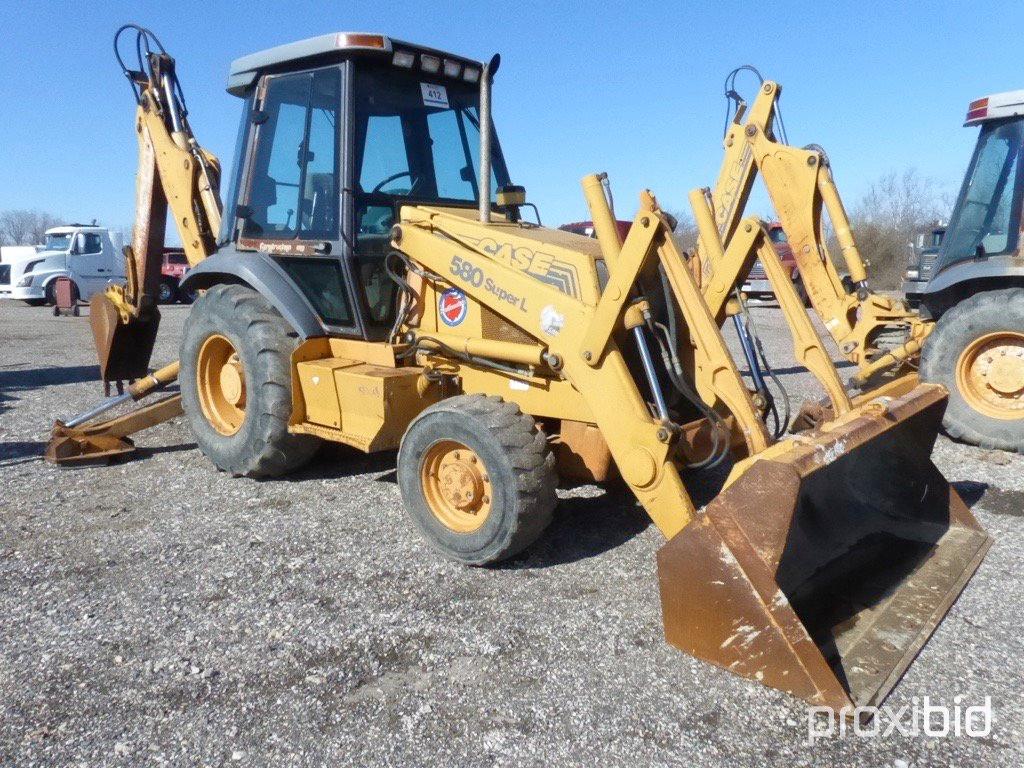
x,y
982,362
375,283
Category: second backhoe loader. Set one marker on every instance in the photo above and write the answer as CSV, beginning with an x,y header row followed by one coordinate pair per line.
x,y
979,356
375,283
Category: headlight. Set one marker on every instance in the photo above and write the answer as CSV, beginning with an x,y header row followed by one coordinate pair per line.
x,y
913,274
25,282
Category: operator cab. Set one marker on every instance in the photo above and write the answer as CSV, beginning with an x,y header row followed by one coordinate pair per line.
x,y
338,132
986,219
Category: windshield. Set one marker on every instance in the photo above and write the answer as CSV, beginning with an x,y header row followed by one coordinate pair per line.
x,y
55,242
778,235
418,135
987,213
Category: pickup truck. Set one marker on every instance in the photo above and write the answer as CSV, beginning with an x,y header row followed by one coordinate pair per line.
x,y
757,285
172,268
924,250
90,256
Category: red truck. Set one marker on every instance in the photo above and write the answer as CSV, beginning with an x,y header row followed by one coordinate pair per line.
x,y
172,268
757,286
587,228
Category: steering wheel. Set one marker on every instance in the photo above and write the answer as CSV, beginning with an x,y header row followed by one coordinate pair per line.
x,y
394,177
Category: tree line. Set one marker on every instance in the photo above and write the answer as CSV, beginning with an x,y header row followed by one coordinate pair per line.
x,y
25,227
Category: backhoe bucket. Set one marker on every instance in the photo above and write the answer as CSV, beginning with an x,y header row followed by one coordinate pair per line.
x,y
124,349
824,568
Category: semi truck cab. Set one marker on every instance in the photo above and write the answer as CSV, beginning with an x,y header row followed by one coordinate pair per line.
x,y
88,255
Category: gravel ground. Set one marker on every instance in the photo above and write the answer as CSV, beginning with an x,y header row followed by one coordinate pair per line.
x,y
156,611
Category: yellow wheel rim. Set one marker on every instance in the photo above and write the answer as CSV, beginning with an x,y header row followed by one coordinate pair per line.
x,y
990,375
456,486
220,379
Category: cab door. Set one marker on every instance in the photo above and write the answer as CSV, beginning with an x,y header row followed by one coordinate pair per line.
x,y
291,201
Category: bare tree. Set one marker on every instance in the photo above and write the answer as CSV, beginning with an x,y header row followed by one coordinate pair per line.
x,y
21,227
685,231
885,219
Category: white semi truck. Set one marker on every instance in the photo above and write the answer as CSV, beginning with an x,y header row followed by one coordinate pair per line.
x,y
90,256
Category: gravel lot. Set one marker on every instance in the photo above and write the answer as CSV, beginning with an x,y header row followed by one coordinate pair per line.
x,y
156,612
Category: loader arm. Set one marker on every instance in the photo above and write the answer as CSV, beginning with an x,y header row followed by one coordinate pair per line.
x,y
174,172
810,572
802,190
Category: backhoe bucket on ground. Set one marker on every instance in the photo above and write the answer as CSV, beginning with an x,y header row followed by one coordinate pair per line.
x,y
124,349
825,566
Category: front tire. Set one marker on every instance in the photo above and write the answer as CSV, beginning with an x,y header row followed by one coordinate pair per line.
x,y
236,386
478,478
977,351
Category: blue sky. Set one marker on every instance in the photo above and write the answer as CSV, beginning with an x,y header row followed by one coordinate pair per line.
x,y
631,89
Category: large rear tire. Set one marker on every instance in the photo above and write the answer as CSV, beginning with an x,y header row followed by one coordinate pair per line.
x,y
478,478
977,352
236,385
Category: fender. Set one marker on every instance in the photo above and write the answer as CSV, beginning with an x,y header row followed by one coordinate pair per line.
x,y
259,272
963,271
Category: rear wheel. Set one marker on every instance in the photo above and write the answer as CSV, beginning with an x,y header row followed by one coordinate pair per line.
x,y
977,352
236,386
478,478
167,293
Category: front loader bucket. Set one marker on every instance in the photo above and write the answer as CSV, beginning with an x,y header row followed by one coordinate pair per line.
x,y
124,349
824,568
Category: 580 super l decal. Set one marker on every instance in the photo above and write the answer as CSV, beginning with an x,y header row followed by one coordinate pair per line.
x,y
474,275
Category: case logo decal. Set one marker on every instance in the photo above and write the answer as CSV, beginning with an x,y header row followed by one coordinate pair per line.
x,y
453,306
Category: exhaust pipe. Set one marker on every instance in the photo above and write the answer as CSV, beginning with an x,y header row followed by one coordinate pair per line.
x,y
490,68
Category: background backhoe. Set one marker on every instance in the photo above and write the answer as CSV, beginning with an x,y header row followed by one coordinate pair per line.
x,y
375,283
969,334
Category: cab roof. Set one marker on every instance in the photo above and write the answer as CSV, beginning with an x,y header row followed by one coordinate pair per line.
x,y
995,107
246,69
66,228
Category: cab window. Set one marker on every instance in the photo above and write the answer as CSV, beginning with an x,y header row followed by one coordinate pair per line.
x,y
89,242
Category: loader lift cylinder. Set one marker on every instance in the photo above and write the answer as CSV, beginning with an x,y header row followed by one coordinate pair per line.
x,y
751,356
650,373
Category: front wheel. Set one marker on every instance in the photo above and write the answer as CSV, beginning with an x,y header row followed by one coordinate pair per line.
x,y
477,477
977,351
